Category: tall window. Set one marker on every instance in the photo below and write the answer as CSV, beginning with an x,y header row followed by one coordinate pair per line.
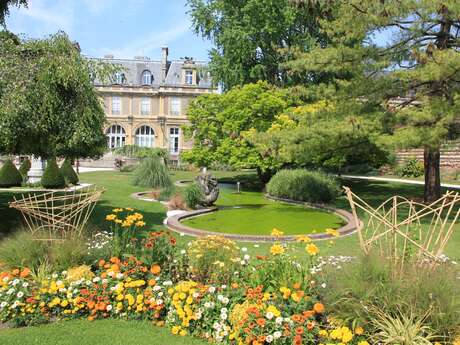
x,y
145,136
175,106
119,78
116,105
147,78
145,106
189,77
116,136
174,140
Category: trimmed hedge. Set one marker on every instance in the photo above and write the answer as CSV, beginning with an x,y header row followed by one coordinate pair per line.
x,y
52,177
25,167
303,185
70,176
10,175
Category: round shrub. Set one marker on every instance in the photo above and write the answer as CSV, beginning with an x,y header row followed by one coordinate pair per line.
x,y
152,173
303,185
193,195
10,175
25,167
70,176
52,177
411,168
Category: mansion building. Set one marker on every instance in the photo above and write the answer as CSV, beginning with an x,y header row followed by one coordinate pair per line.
x,y
146,102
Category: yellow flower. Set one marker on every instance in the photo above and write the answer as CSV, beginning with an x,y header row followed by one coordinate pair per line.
x,y
332,232
273,310
126,223
116,210
322,333
303,238
277,233
312,249
276,249
129,209
110,217
118,221
364,342
359,330
140,223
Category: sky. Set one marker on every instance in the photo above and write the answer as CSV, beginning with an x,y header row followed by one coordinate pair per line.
x,y
124,28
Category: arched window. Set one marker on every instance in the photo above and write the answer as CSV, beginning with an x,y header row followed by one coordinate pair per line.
x,y
116,136
147,78
145,136
119,78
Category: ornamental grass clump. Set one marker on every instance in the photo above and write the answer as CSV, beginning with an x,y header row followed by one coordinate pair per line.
x,y
303,185
193,196
10,175
153,173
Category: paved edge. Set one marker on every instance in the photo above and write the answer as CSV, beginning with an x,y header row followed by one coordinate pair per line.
x,y
31,190
396,180
174,223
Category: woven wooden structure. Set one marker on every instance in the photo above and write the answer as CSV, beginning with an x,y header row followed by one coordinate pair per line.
x,y
58,214
403,229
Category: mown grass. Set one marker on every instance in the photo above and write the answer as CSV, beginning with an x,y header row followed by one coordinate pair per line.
x,y
100,332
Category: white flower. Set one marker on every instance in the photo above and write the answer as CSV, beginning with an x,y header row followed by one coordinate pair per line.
x,y
109,307
64,273
111,273
242,262
20,294
269,315
244,249
256,246
196,294
269,338
223,310
25,284
54,275
182,234
279,320
120,275
160,294
5,279
3,304
220,297
105,281
183,251
156,288
323,285
223,316
10,291
168,283
15,282
212,289
277,335
247,257
96,279
159,301
224,287
225,300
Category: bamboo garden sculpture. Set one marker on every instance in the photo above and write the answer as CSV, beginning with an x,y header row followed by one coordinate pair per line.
x,y
57,214
402,229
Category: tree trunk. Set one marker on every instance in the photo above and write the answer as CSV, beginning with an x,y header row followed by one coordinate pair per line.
x,y
431,160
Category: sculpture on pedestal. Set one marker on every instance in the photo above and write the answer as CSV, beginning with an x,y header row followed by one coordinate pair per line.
x,y
209,187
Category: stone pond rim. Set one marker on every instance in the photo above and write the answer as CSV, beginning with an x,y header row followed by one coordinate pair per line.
x,y
174,224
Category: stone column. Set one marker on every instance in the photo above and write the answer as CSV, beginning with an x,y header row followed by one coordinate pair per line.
x,y
36,170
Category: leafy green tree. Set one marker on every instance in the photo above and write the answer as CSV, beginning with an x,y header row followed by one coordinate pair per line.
x,y
48,104
5,6
253,37
419,61
219,122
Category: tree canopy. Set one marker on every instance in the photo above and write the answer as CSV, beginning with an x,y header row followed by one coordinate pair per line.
x,y
419,62
48,104
5,6
253,37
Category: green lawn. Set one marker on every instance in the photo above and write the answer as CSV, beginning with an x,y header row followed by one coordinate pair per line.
x,y
258,216
101,332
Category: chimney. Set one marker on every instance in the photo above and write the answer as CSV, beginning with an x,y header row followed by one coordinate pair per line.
x,y
164,63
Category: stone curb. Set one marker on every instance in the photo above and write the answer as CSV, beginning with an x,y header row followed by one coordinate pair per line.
x,y
174,224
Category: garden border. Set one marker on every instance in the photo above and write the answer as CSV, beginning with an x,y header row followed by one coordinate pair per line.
x,y
174,224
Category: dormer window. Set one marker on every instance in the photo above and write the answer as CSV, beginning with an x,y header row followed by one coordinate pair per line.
x,y
147,78
189,77
119,78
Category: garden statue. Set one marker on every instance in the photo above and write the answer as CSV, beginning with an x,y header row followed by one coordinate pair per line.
x,y
209,188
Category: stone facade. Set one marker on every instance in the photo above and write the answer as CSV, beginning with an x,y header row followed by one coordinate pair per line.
x,y
146,103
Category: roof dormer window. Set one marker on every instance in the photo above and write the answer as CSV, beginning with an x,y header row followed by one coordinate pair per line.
x,y
119,78
147,78
189,77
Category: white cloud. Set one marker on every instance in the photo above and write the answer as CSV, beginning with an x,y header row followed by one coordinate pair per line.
x,y
97,6
148,44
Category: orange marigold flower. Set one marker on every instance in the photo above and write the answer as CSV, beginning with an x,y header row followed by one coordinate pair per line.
x,y
152,282
261,322
114,260
318,308
15,272
296,286
297,318
25,272
310,326
299,330
298,340
155,269
101,262
235,285
308,313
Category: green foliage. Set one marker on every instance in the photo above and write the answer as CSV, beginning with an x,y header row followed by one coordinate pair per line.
x,y
52,176
25,167
9,175
141,152
303,185
153,173
410,168
362,289
252,38
22,249
218,123
53,110
70,176
193,195
5,8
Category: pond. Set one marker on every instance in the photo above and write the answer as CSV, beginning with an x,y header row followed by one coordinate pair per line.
x,y
250,213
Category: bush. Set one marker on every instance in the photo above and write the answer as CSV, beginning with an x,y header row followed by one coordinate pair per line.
x,y
193,195
10,175
70,176
152,173
24,168
52,177
303,185
135,151
362,289
411,168
177,202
